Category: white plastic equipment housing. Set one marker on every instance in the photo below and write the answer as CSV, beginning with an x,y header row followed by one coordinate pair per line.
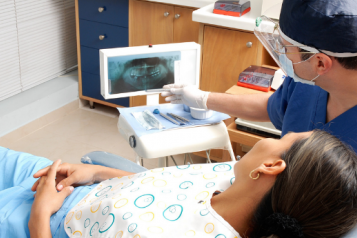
x,y
178,141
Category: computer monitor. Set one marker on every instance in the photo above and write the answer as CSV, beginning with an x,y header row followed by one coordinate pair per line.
x,y
134,71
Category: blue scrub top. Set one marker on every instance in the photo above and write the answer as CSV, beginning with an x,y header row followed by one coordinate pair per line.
x,y
297,107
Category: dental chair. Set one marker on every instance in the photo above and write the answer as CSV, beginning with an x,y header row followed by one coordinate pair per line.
x,y
113,161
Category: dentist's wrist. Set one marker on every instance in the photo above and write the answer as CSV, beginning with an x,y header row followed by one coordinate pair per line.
x,y
205,99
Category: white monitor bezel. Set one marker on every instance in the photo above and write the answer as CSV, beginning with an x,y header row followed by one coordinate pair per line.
x,y
139,50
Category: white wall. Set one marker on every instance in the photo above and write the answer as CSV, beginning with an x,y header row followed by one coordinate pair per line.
x,y
38,101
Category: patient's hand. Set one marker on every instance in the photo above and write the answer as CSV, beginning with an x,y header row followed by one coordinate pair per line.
x,y
47,201
69,175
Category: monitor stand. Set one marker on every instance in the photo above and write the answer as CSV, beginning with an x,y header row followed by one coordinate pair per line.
x,y
152,99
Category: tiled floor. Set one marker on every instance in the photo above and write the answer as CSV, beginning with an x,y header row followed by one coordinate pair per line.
x,y
79,132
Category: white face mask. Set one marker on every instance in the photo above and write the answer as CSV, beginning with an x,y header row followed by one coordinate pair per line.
x,y
287,66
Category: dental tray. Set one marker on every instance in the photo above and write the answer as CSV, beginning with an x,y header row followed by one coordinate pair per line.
x,y
166,108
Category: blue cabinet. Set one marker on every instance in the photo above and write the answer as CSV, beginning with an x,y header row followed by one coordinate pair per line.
x,y
113,12
114,36
102,24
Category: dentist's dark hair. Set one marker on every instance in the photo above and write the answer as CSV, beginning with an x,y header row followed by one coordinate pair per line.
x,y
315,196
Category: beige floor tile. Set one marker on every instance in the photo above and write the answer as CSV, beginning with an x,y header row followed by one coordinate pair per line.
x,y
77,132
71,152
5,142
53,147
70,124
13,136
40,143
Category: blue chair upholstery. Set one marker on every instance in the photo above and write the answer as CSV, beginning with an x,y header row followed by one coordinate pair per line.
x,y
112,161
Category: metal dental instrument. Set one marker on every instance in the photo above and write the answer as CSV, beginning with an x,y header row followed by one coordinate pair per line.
x,y
178,117
170,119
156,111
159,90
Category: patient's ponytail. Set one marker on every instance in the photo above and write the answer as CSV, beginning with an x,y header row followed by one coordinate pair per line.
x,y
315,196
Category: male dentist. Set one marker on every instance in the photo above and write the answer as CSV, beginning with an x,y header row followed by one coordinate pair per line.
x,y
315,43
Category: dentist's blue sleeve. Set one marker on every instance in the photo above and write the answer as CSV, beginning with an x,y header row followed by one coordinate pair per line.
x,y
278,102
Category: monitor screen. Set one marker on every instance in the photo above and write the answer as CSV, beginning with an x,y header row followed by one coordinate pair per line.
x,y
133,73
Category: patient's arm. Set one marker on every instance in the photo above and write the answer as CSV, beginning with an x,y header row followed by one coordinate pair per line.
x,y
40,226
47,201
79,175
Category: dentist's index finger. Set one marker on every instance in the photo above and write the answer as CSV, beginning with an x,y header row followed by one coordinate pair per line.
x,y
174,85
168,86
165,94
176,90
172,98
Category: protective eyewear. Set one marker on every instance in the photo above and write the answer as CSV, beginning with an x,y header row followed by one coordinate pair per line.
x,y
269,34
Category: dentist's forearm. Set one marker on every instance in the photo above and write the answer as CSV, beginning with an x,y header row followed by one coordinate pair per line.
x,y
251,107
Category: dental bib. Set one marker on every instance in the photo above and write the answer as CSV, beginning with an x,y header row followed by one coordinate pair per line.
x,y
164,202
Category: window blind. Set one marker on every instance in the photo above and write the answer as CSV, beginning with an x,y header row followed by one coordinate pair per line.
x,y
40,43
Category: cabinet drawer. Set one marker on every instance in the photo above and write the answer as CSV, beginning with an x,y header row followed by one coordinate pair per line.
x,y
115,11
90,60
91,88
115,36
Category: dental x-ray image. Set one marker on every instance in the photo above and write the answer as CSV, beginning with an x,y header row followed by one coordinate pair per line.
x,y
141,72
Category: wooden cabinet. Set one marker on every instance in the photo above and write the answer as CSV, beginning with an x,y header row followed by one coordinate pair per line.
x,y
148,23
226,53
156,23
185,30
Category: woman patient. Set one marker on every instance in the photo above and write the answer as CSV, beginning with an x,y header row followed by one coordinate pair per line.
x,y
303,185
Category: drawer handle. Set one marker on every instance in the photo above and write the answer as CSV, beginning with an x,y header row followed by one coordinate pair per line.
x,y
101,9
249,44
101,37
177,16
166,14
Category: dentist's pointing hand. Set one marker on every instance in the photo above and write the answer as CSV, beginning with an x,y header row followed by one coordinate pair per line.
x,y
186,94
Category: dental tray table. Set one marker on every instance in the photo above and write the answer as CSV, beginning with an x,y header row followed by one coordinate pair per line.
x,y
202,135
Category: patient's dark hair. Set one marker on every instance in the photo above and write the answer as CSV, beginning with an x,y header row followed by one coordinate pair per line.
x,y
346,62
315,196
